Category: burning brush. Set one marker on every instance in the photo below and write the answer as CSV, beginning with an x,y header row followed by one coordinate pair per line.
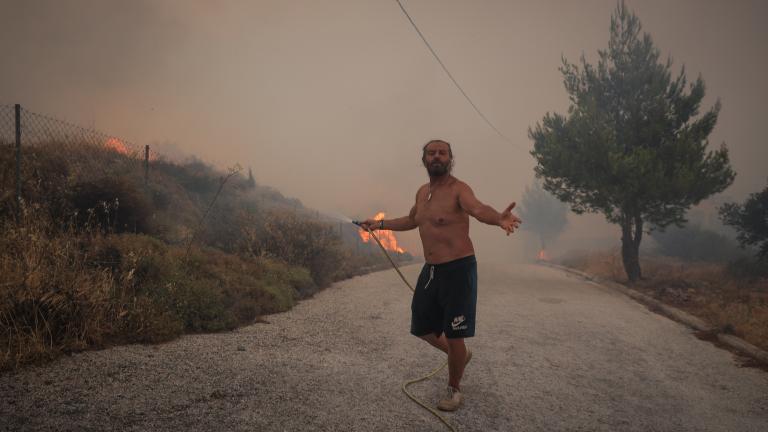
x,y
386,237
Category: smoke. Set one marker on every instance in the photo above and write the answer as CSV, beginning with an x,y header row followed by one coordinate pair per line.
x,y
331,102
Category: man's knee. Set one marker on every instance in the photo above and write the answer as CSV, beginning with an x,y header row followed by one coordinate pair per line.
x,y
430,337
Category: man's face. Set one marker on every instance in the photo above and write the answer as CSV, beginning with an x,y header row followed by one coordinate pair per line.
x,y
437,159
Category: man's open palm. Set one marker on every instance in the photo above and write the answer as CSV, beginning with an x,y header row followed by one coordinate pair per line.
x,y
509,222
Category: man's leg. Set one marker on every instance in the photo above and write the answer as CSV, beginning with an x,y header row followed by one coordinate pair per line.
x,y
457,358
458,354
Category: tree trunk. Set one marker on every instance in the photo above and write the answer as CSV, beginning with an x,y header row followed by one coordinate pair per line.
x,y
631,235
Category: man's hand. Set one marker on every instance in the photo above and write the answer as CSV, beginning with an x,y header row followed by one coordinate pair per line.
x,y
508,221
370,224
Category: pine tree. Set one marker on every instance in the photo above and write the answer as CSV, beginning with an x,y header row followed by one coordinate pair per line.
x,y
631,146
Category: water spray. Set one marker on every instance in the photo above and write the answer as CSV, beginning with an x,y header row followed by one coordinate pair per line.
x,y
429,375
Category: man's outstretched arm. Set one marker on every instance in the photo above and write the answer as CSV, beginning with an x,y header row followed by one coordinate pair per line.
x,y
404,223
485,213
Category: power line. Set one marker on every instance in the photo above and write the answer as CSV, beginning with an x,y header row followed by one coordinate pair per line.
x,y
447,72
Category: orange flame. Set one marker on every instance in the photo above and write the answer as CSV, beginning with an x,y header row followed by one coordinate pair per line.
x,y
116,145
386,237
543,256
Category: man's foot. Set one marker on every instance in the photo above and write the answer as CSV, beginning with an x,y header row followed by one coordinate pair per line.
x,y
469,357
453,400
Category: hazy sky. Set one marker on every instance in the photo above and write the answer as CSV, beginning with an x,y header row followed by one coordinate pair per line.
x,y
330,101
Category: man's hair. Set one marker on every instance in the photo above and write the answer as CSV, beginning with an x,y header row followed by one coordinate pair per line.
x,y
424,150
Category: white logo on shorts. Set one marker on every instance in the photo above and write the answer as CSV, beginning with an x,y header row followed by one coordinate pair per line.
x,y
456,324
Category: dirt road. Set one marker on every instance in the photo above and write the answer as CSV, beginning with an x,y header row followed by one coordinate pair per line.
x,y
552,353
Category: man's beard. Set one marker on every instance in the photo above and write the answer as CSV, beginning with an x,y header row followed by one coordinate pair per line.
x,y
437,169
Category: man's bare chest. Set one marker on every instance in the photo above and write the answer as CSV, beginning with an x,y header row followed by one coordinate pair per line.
x,y
440,210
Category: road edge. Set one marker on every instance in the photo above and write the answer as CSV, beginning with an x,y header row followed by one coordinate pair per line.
x,y
673,313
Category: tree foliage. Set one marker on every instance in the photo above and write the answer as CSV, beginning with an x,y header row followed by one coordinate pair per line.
x,y
632,145
750,221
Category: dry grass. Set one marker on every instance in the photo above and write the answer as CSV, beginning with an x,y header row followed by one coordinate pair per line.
x,y
49,300
98,258
707,290
66,291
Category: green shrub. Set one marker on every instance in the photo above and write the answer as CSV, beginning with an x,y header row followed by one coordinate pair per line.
x,y
208,290
696,244
286,283
301,241
750,220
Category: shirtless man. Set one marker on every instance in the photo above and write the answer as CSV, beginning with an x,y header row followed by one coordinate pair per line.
x,y
443,306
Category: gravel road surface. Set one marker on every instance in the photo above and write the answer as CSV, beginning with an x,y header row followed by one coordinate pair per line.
x,y
552,353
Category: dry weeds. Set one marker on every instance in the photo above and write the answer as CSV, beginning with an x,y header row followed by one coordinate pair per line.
x,y
706,290
96,257
65,291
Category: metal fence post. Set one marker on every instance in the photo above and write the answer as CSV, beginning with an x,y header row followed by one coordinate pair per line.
x,y
18,155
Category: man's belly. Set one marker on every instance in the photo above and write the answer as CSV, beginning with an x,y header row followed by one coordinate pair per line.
x,y
443,245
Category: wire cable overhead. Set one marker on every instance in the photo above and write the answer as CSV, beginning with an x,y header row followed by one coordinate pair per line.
x,y
447,72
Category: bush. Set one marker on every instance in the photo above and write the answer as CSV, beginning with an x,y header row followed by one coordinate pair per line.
x,y
115,204
301,241
206,290
696,244
195,176
71,290
223,228
750,221
44,179
749,268
80,270
50,300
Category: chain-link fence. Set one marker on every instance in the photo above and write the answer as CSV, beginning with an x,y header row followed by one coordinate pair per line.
x,y
7,125
35,149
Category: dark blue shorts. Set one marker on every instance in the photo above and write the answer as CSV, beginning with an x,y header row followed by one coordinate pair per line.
x,y
445,299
